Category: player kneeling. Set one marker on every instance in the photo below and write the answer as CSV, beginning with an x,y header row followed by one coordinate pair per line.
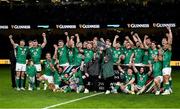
x,y
31,73
157,73
48,75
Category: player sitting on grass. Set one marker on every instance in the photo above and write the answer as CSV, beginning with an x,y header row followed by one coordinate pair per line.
x,y
31,73
128,86
74,82
21,55
142,78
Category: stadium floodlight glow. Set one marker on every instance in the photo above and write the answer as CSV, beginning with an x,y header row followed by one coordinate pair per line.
x,y
55,1
113,25
43,26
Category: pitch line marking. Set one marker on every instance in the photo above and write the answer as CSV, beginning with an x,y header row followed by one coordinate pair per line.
x,y
74,100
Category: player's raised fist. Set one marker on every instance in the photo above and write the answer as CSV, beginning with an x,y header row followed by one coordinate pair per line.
x,y
55,46
44,34
116,36
76,35
135,34
72,37
132,32
10,36
146,36
169,28
159,46
127,37
66,33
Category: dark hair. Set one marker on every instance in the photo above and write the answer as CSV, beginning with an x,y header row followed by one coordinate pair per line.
x,y
29,41
35,40
60,41
22,40
154,42
165,38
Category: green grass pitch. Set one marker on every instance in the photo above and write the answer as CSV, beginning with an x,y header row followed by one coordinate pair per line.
x,y
10,98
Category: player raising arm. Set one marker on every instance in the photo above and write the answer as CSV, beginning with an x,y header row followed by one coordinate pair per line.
x,y
167,54
117,52
128,86
142,78
61,51
138,49
35,53
21,54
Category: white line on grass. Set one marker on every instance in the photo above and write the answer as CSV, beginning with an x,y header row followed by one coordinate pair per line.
x,y
67,102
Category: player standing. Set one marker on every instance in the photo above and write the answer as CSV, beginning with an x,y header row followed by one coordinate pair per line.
x,y
61,51
35,53
167,54
21,54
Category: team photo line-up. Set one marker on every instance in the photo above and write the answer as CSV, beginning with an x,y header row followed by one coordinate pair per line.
x,y
142,66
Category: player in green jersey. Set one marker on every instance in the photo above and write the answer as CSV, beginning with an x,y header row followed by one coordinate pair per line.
x,y
128,53
35,53
145,57
138,49
147,41
128,86
31,73
142,78
167,54
152,51
61,51
78,52
88,53
47,76
157,72
117,52
21,55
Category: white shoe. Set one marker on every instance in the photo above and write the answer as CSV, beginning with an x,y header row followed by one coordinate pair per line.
x,y
38,88
22,88
45,86
107,92
166,92
132,92
114,91
157,93
77,91
18,89
30,88
170,90
86,91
